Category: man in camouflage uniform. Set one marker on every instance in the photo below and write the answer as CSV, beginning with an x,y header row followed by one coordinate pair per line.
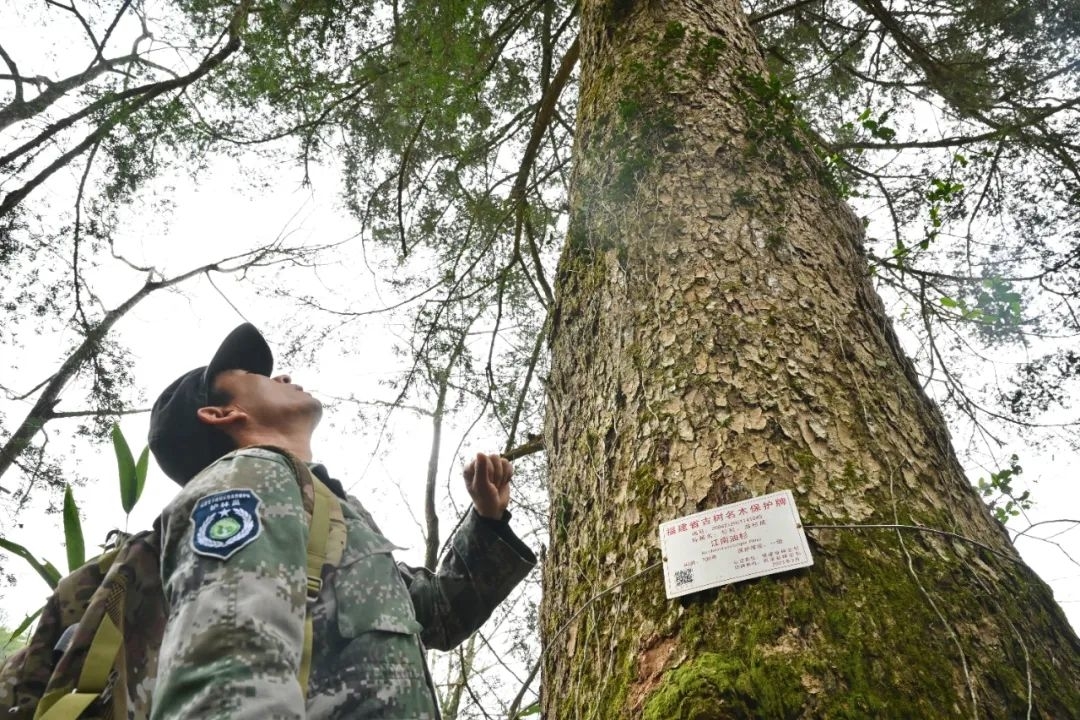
x,y
233,562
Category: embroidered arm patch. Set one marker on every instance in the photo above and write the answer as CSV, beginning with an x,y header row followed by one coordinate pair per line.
x,y
225,522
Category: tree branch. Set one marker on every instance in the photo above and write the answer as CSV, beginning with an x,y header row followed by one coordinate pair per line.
x,y
94,413
431,514
42,410
755,19
541,122
77,234
143,95
19,110
82,21
533,446
402,169
109,31
15,77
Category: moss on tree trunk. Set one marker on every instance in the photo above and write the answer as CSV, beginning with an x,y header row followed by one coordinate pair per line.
x,y
717,337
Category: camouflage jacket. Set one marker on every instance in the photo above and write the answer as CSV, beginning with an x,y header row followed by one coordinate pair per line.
x,y
233,565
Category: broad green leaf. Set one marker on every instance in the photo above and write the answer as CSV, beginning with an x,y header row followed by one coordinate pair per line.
x,y
73,536
22,626
125,464
140,472
44,568
949,302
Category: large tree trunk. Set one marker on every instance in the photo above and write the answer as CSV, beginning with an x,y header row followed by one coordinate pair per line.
x,y
717,337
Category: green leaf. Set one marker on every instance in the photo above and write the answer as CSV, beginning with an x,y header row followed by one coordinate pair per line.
x,y
140,472
885,133
22,626
533,709
44,568
125,464
73,536
949,302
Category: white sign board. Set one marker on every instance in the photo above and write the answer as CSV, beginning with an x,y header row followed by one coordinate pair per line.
x,y
748,539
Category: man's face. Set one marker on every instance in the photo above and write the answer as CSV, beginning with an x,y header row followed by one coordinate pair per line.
x,y
273,402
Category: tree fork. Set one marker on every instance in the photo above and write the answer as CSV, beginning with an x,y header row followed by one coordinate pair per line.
x,y
716,337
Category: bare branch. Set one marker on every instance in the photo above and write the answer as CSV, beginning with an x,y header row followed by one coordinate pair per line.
x,y
755,19
1029,528
529,370
95,413
142,96
77,234
82,21
541,122
402,170
109,30
533,446
431,514
15,77
42,410
515,706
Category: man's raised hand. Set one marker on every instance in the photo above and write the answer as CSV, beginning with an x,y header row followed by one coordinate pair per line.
x,y
488,481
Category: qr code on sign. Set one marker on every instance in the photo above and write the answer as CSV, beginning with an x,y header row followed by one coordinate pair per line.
x,y
684,577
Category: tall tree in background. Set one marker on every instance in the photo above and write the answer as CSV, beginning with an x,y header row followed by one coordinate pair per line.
x,y
716,337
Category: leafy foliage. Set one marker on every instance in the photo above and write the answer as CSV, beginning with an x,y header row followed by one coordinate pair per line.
x,y
44,568
1004,501
81,150
954,129
14,638
73,536
132,477
132,473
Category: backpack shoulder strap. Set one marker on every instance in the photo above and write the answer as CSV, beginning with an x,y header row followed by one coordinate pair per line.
x,y
93,678
67,701
318,537
89,662
323,506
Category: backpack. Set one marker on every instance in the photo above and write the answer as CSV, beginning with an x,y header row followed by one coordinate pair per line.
x,y
94,651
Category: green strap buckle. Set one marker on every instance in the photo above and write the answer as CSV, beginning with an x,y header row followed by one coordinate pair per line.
x,y
314,587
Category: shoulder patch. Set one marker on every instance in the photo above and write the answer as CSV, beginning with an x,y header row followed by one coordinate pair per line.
x,y
225,522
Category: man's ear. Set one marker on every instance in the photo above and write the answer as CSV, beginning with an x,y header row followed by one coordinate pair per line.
x,y
221,417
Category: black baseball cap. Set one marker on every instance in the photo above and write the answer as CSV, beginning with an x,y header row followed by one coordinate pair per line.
x,y
182,444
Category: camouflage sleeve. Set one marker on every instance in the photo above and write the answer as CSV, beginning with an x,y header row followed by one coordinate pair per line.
x,y
484,563
233,565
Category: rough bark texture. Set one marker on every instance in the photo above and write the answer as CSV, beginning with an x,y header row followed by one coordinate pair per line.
x,y
717,337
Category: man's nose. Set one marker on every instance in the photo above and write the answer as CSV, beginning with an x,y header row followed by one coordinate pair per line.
x,y
282,379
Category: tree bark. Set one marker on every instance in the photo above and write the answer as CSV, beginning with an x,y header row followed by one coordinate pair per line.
x,y
716,337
